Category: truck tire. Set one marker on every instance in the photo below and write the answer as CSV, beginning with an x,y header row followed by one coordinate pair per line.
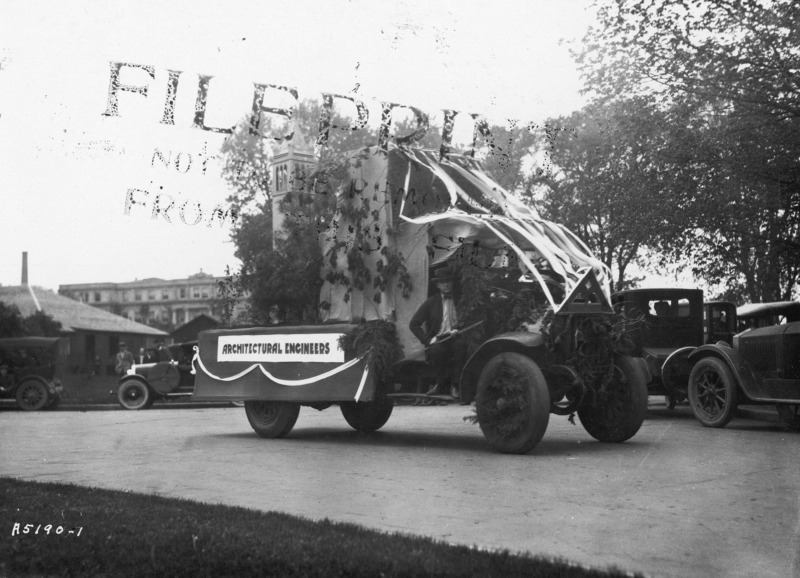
x,y
134,395
367,416
713,394
271,419
32,395
512,403
618,414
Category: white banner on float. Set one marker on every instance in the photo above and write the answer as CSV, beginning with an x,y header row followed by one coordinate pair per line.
x,y
306,347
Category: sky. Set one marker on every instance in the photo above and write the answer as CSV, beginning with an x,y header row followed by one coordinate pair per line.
x,y
79,188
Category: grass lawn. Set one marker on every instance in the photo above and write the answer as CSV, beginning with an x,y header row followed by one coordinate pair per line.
x,y
108,533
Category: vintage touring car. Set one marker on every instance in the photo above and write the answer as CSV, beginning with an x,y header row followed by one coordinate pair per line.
x,y
666,325
27,372
760,366
145,383
399,215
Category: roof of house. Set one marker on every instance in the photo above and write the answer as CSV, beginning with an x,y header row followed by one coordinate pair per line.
x,y
71,314
202,319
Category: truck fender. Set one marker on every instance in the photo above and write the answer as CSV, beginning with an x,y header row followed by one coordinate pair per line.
x,y
742,373
529,344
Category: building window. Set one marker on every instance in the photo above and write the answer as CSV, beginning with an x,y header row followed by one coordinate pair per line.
x,y
137,296
97,297
164,295
205,292
196,292
183,292
124,296
151,295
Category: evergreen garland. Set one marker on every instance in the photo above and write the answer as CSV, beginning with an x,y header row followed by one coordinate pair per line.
x,y
379,339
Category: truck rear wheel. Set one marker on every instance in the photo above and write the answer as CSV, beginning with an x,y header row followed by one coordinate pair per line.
x,y
271,419
512,403
367,416
712,392
616,414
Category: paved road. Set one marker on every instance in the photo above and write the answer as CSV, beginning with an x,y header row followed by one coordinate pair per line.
x,y
677,500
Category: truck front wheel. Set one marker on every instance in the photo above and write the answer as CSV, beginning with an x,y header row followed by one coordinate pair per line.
x,y
616,413
512,403
367,416
712,392
271,419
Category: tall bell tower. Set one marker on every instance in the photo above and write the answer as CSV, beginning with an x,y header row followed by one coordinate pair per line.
x,y
292,162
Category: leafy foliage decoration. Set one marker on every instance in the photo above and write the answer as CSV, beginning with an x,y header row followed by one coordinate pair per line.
x,y
378,338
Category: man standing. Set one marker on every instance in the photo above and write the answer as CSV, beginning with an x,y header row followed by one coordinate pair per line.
x,y
446,349
124,359
162,352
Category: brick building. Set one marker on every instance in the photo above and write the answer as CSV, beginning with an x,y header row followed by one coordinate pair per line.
x,y
157,302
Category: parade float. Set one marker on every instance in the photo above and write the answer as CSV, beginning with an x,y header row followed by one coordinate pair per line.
x,y
533,303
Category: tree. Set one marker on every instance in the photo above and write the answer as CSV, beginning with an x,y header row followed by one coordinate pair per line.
x,y
286,273
41,324
605,182
38,323
724,74
11,322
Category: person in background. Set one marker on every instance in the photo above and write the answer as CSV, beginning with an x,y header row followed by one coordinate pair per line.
x,y
124,359
162,353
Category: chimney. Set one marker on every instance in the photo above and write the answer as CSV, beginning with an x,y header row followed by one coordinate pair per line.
x,y
24,268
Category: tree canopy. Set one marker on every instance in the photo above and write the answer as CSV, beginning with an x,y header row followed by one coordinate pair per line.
x,y
723,76
37,324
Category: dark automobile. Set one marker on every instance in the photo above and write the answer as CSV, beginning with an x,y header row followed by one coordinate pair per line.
x,y
755,315
761,367
147,382
27,372
666,325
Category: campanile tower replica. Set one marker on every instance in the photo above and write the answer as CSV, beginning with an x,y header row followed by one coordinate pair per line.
x,y
292,162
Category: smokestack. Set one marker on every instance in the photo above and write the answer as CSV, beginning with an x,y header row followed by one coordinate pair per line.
x,y
24,268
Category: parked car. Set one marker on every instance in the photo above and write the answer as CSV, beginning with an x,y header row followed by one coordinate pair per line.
x,y
755,315
762,366
27,372
147,382
666,325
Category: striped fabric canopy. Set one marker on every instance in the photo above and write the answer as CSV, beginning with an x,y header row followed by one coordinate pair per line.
x,y
480,209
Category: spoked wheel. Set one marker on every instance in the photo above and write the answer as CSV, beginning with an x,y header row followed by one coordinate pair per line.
x,y
790,415
133,394
271,419
32,395
712,392
616,413
367,416
512,403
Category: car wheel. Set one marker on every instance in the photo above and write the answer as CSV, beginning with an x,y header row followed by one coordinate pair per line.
x,y
271,419
790,415
367,416
512,403
712,392
32,395
133,394
616,413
